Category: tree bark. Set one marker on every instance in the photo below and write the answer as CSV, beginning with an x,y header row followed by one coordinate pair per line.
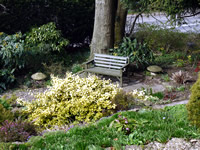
x,y
103,34
120,22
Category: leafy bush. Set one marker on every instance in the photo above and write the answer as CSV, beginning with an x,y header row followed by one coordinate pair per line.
x,y
76,68
45,38
16,131
72,99
5,114
17,54
5,104
11,58
194,104
12,51
11,146
139,53
11,100
7,78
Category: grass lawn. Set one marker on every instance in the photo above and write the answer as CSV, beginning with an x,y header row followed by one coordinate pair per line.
x,y
149,125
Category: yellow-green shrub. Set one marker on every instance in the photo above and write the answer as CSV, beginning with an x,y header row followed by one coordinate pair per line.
x,y
5,114
72,99
193,105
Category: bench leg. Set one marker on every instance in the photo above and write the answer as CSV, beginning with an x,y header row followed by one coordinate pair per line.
x,y
121,82
86,74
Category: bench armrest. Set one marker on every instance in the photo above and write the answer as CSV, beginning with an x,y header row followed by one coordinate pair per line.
x,y
124,67
88,62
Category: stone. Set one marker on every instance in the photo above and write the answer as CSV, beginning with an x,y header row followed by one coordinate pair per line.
x,y
154,146
133,147
153,74
177,144
154,68
38,76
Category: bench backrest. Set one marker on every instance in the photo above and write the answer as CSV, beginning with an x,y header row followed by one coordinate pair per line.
x,y
110,61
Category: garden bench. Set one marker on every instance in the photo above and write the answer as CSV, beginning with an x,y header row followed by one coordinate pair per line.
x,y
108,65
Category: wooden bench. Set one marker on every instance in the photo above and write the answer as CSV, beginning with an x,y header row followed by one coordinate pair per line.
x,y
108,65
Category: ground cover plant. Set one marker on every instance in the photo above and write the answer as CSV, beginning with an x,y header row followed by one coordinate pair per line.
x,y
145,126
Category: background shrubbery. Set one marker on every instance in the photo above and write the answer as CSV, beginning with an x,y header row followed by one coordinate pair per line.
x,y
139,52
22,51
75,18
160,38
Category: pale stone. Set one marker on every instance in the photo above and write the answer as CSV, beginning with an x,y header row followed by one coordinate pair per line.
x,y
133,147
177,144
38,76
154,146
154,68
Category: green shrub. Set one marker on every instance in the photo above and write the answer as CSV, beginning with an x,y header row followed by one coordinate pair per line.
x,y
45,38
162,39
18,52
5,114
11,100
11,58
12,51
76,68
7,78
16,131
72,99
139,53
194,104
11,146
5,104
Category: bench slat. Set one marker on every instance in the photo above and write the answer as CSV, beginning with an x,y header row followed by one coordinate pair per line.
x,y
109,63
110,56
108,66
110,60
105,71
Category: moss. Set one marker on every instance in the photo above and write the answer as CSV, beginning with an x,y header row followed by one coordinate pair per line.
x,y
193,105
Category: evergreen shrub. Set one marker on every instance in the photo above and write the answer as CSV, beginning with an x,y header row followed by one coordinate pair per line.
x,y
72,99
193,105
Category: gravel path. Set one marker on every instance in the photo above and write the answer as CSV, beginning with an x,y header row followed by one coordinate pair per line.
x,y
26,94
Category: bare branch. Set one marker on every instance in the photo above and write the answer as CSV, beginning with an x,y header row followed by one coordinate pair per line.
x,y
190,15
4,8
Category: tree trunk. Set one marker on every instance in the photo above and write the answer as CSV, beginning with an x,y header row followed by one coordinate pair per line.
x,y
120,22
103,34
